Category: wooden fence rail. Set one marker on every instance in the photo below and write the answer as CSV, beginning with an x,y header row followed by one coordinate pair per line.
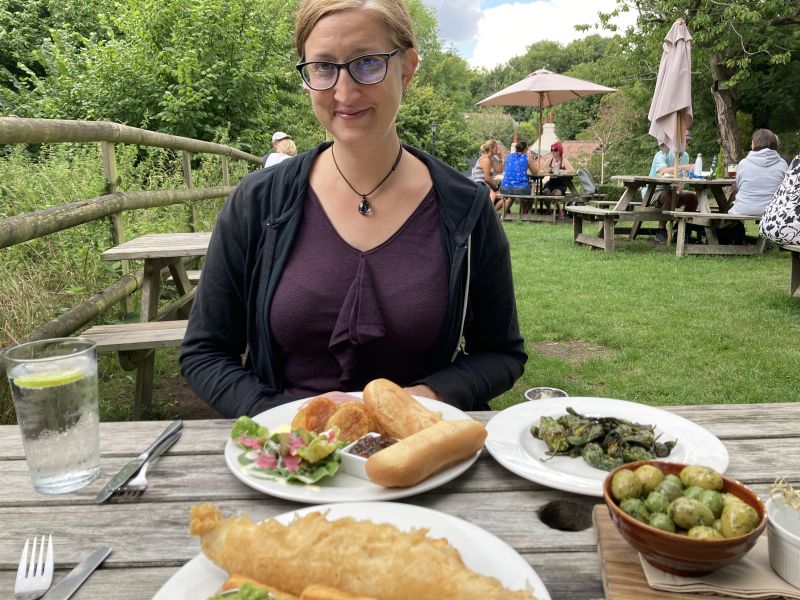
x,y
15,130
25,227
21,228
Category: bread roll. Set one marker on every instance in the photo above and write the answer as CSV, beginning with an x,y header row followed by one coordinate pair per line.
x,y
429,451
395,410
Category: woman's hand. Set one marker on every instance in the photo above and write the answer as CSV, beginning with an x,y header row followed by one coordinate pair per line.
x,y
422,390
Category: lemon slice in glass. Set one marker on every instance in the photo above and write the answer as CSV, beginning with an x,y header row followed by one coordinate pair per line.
x,y
50,379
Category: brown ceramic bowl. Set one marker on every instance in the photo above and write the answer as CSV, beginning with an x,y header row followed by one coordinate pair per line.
x,y
678,554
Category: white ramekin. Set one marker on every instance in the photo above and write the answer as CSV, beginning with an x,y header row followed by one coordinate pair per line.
x,y
783,536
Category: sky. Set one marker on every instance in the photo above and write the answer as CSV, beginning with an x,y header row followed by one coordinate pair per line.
x,y
489,32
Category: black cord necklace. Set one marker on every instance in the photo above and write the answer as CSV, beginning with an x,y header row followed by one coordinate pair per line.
x,y
364,207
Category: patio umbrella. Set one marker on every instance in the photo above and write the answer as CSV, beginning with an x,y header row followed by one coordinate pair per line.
x,y
544,88
671,111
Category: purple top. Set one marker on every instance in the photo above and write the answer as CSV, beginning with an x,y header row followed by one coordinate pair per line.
x,y
343,317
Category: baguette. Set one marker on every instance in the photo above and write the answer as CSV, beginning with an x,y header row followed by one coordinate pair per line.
x,y
395,410
426,452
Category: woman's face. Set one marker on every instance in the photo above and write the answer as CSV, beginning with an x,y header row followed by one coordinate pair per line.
x,y
351,111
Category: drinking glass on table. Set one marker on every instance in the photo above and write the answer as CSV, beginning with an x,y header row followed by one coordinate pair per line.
x,y
54,388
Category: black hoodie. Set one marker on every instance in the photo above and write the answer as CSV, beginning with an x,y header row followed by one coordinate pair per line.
x,y
249,248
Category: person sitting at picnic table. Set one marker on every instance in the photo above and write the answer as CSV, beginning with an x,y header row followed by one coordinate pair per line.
x,y
360,259
515,177
557,186
489,165
781,219
758,175
664,164
283,146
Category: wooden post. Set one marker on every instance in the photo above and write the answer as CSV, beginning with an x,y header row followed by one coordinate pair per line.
x,y
117,228
187,180
226,179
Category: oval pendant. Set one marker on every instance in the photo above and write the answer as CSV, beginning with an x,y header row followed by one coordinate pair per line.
x,y
364,207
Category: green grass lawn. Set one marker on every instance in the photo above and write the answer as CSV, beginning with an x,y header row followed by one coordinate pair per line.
x,y
665,330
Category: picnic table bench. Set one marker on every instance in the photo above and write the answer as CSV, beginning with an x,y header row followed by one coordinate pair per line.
x,y
711,222
794,269
609,219
546,205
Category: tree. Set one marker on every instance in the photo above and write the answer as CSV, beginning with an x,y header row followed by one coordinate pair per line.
x,y
615,122
729,37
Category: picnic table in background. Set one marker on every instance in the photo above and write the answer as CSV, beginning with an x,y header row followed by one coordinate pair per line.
x,y
150,537
135,342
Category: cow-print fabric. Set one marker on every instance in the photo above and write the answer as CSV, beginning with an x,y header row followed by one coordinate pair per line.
x,y
781,220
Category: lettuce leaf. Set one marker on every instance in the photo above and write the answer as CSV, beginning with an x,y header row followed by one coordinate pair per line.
x,y
317,449
246,426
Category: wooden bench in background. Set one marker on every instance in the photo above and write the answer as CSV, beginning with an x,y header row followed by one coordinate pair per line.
x,y
544,207
794,269
133,343
610,220
712,222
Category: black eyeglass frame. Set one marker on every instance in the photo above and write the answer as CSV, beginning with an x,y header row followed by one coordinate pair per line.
x,y
339,66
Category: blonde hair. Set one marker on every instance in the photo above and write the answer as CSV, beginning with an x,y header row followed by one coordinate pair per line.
x,y
286,146
393,13
488,146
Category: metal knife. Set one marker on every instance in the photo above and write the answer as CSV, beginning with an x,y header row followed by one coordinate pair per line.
x,y
75,578
130,469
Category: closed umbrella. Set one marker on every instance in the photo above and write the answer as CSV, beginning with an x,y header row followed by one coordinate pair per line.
x,y
544,88
671,110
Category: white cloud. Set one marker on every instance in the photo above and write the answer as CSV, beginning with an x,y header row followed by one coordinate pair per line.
x,y
458,19
506,30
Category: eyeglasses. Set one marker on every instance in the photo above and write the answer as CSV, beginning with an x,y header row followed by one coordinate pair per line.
x,y
368,69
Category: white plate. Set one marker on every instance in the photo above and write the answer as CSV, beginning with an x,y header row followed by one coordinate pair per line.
x,y
481,551
513,446
341,487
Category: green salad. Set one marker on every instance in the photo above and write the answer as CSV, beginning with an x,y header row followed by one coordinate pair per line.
x,y
285,454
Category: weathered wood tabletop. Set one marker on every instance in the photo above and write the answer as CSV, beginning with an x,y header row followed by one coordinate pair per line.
x,y
151,542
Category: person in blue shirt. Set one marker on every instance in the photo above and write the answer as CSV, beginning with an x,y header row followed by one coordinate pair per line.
x,y
515,176
664,162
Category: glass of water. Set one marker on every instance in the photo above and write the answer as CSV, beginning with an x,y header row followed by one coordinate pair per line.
x,y
54,389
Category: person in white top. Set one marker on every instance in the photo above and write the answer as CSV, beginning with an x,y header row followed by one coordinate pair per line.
x,y
758,175
284,148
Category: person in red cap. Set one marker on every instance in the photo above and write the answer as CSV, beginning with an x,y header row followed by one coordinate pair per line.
x,y
557,186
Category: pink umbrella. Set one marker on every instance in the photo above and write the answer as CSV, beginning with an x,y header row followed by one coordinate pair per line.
x,y
671,111
544,88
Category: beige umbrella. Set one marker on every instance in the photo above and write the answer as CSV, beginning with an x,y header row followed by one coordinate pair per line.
x,y
671,111
544,88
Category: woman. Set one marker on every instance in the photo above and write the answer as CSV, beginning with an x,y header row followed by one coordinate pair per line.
x,y
515,176
557,186
284,148
488,167
362,258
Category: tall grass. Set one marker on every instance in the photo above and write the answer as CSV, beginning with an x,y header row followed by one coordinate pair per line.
x,y
43,278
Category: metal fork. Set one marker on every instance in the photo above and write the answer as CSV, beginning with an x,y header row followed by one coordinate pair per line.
x,y
34,577
138,484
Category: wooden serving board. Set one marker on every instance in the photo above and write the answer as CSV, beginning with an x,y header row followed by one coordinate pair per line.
x,y
623,577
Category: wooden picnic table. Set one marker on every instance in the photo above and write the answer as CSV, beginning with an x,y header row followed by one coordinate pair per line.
x,y
159,251
704,188
136,342
150,537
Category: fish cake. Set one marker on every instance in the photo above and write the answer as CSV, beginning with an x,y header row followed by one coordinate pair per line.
x,y
314,415
352,420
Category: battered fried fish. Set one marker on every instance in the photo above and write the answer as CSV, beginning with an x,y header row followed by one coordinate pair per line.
x,y
358,557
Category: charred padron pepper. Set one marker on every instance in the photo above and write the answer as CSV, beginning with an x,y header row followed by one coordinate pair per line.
x,y
603,442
